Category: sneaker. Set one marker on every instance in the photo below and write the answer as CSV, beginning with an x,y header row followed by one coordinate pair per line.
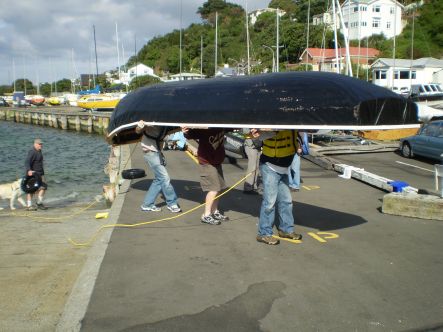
x,y
41,206
210,220
292,236
217,215
174,208
31,208
152,208
268,239
294,189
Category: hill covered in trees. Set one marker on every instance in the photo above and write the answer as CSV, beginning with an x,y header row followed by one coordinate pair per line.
x,y
163,52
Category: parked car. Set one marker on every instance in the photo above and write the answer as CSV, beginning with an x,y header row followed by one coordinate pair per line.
x,y
427,143
3,102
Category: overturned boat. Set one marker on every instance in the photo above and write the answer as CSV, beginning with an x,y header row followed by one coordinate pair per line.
x,y
291,100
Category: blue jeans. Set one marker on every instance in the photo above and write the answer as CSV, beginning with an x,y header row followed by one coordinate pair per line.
x,y
161,182
294,173
275,191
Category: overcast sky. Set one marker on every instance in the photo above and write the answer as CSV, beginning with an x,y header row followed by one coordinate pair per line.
x,y
41,37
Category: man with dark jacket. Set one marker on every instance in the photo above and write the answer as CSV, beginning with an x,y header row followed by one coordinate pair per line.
x,y
34,167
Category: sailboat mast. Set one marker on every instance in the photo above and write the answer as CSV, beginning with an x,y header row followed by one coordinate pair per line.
x,y
247,38
216,42
307,33
118,52
180,40
346,37
394,44
277,56
334,18
95,49
201,56
13,74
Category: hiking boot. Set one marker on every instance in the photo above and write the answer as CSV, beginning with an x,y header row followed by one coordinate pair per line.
x,y
292,236
217,215
268,239
152,208
210,220
31,208
41,206
174,208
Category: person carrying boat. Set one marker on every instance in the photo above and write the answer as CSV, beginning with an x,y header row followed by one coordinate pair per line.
x,y
151,145
34,168
210,154
278,152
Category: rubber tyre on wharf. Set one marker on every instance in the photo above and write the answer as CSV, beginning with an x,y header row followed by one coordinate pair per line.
x,y
133,173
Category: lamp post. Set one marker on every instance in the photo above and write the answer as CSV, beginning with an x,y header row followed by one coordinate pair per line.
x,y
273,57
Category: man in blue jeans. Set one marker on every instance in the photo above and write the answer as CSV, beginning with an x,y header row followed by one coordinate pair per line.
x,y
151,143
277,155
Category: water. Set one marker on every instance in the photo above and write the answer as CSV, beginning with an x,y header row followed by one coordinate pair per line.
x,y
73,162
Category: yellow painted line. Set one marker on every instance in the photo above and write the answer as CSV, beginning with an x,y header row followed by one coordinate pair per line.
x,y
192,157
318,238
311,187
285,239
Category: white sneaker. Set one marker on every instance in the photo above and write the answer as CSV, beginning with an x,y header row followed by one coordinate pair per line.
x,y
152,208
174,208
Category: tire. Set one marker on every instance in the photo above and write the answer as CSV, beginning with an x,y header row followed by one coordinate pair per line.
x,y
406,150
133,173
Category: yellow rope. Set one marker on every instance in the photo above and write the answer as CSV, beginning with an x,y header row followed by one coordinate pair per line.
x,y
31,216
79,244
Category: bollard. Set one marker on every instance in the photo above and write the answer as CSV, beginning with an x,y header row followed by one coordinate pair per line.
x,y
439,178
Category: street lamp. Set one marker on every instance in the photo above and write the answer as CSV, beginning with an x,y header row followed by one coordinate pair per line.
x,y
273,57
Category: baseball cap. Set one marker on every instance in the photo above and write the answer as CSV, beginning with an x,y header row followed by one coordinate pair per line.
x,y
38,141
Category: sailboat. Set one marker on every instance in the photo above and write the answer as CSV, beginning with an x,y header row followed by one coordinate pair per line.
x,y
100,102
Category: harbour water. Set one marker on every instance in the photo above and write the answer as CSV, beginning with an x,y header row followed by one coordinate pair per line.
x,y
73,161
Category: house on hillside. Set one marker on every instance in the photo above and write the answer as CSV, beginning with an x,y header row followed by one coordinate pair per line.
x,y
185,77
139,70
364,18
325,59
402,73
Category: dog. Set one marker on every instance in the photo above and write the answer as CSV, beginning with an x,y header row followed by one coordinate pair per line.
x,y
13,192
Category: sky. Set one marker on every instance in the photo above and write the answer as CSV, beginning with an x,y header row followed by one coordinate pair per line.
x,y
46,41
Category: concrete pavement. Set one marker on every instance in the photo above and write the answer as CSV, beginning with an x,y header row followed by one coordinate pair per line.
x,y
355,269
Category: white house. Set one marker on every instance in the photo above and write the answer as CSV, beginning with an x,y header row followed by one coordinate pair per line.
x,y
185,77
364,18
139,70
407,72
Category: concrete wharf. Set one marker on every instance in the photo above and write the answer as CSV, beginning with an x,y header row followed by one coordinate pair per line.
x,y
61,117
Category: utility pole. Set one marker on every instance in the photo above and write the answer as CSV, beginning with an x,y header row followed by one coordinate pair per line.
x,y
180,55
201,56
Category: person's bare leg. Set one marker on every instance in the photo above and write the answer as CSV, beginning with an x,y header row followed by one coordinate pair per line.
x,y
210,196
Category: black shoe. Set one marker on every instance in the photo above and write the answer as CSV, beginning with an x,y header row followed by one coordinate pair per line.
x,y
250,192
217,215
40,206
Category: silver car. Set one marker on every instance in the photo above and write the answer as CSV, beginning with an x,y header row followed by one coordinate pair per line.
x,y
427,143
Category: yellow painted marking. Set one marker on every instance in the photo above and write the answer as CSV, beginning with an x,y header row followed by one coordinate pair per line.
x,y
311,187
326,235
285,239
329,235
318,238
192,157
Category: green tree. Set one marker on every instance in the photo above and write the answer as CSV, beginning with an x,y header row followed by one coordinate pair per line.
x,y
144,80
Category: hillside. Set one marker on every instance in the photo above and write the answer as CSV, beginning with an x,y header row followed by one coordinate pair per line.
x,y
162,52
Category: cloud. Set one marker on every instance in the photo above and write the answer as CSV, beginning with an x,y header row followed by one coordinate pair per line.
x,y
43,38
